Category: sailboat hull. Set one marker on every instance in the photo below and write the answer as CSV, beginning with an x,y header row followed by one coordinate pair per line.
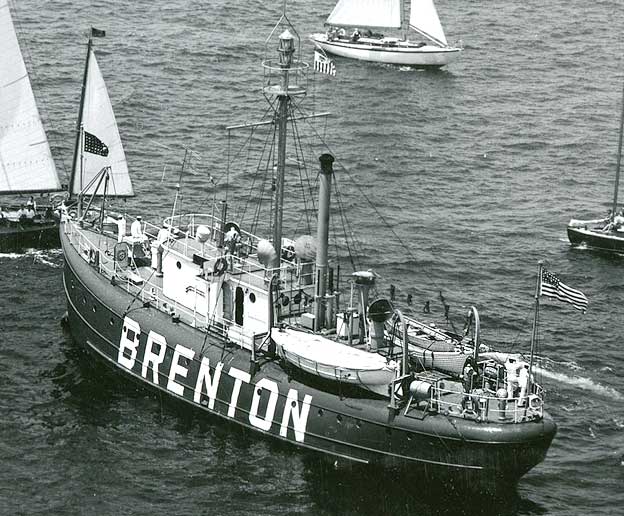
x,y
597,239
16,236
427,56
213,377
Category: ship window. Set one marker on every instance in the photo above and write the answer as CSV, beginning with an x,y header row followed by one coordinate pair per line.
x,y
178,265
320,412
111,322
339,418
94,309
358,424
252,297
84,300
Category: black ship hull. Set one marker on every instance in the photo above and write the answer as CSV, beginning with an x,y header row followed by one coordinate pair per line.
x,y
16,236
607,241
210,375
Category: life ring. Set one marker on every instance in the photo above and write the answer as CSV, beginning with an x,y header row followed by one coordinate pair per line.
x,y
535,403
220,266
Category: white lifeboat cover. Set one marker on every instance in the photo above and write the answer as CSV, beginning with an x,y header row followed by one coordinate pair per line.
x,y
321,350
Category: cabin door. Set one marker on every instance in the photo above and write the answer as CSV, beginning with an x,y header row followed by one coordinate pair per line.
x,y
227,301
239,306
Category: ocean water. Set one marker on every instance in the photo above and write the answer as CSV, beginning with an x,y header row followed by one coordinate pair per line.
x,y
456,181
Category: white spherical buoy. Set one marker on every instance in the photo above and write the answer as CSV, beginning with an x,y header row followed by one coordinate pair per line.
x,y
266,252
202,234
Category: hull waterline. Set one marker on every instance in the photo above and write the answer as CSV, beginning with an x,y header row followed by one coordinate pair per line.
x,y
606,241
18,237
426,57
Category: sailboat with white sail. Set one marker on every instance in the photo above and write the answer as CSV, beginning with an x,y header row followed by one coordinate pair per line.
x,y
99,166
26,163
606,234
353,25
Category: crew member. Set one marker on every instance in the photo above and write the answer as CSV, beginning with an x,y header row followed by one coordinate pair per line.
x,y
523,381
136,230
161,239
511,367
121,228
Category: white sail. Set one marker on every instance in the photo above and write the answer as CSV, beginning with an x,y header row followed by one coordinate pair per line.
x,y
26,163
98,119
366,13
424,19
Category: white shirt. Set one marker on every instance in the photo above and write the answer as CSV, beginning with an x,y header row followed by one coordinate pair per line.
x,y
163,236
135,229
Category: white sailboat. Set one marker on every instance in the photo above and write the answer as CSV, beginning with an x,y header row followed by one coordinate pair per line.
x,y
26,163
351,33
99,166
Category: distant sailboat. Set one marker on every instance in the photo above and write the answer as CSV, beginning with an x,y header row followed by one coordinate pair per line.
x,y
607,233
99,166
26,163
364,44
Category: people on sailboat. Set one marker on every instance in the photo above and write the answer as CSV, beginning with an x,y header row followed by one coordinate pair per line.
x,y
31,203
21,213
121,228
30,213
355,35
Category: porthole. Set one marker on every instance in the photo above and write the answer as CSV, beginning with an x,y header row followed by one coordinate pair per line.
x,y
252,297
339,418
112,322
358,424
320,412
94,308
179,265
84,300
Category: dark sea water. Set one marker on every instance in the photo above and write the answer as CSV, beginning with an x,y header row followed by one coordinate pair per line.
x,y
476,169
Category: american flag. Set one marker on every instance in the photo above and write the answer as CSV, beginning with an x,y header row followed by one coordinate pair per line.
x,y
551,286
324,64
94,145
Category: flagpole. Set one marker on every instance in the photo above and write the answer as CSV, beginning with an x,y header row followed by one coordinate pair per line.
x,y
540,266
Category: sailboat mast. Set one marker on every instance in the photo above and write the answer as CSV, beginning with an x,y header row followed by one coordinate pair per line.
x,y
619,159
286,50
79,130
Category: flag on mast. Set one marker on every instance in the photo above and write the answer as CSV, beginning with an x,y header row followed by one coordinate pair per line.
x,y
97,33
324,64
94,145
552,286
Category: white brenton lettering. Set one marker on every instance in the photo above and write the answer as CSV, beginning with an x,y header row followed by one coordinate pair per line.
x,y
128,342
239,377
211,383
265,422
177,369
153,340
299,418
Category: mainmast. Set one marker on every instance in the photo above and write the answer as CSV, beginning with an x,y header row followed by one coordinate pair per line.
x,y
619,159
281,81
